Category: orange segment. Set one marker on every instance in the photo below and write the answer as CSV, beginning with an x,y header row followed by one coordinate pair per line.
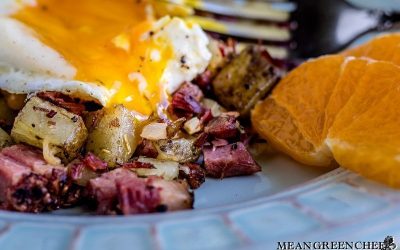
x,y
305,92
302,100
365,137
276,125
352,71
383,48
341,108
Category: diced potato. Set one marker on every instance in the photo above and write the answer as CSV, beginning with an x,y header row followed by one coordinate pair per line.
x,y
5,139
169,170
114,136
180,150
245,80
40,121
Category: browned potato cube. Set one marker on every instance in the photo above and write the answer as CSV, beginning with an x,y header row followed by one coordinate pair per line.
x,y
41,121
245,80
113,136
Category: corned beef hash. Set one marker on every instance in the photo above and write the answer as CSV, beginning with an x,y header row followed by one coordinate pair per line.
x,y
112,105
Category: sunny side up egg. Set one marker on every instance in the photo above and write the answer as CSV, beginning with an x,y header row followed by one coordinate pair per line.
x,y
114,52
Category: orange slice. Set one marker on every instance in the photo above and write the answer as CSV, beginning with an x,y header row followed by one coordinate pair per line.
x,y
340,108
383,48
305,93
352,70
355,119
277,126
365,136
294,113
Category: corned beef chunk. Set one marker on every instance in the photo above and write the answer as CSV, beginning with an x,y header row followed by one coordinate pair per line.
x,y
31,195
103,190
186,101
206,117
63,101
138,164
175,195
11,173
219,142
146,148
223,127
193,173
204,80
29,184
229,160
137,196
122,192
81,170
94,162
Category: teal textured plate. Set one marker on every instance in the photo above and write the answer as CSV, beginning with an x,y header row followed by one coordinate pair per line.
x,y
284,202
335,206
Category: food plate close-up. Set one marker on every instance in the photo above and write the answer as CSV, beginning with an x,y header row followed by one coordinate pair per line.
x,y
179,124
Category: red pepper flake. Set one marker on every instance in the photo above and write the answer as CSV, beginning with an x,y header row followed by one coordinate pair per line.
x,y
40,109
51,114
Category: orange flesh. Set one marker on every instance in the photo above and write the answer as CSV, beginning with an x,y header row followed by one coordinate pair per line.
x,y
382,48
305,94
358,111
84,33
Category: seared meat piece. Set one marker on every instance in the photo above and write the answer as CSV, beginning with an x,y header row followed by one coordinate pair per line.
x,y
204,80
219,142
201,140
175,195
193,173
223,127
206,117
137,195
89,167
103,190
121,191
30,194
229,160
186,101
146,148
29,184
11,173
32,158
245,80
94,162
63,101
138,165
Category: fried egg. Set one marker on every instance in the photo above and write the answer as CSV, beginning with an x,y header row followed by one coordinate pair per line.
x,y
113,52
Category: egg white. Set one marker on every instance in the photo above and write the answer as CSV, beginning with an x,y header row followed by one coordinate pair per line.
x,y
27,65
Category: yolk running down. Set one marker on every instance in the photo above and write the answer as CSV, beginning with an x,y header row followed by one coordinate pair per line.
x,y
102,40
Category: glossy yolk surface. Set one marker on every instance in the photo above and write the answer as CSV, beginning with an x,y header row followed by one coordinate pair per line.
x,y
103,41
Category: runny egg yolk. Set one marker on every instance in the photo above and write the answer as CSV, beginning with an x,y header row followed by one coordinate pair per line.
x,y
103,40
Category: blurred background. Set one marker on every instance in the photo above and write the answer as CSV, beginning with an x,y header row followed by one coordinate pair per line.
x,y
290,30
